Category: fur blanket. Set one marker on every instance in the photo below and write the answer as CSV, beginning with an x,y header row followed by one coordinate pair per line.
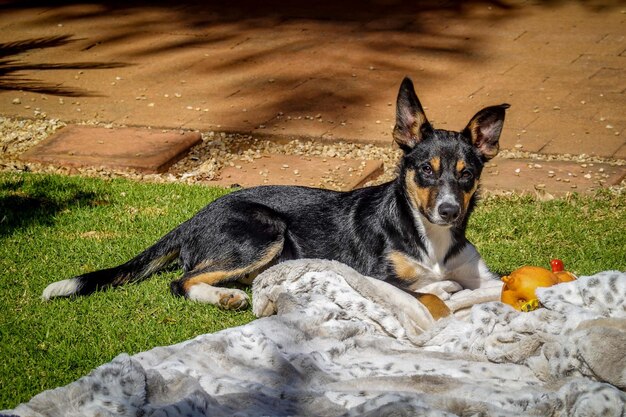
x,y
335,343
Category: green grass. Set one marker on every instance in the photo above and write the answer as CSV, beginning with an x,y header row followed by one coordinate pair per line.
x,y
585,232
54,227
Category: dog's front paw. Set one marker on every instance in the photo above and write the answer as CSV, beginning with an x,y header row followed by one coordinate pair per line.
x,y
233,299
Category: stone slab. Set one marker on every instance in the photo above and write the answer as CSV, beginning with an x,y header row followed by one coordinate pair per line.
x,y
330,173
143,150
552,177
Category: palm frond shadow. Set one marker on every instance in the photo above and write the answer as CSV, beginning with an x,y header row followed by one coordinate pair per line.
x,y
14,72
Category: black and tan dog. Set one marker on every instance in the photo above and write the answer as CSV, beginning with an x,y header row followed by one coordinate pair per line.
x,y
409,232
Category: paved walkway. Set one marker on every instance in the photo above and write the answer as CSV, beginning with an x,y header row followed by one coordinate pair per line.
x,y
326,69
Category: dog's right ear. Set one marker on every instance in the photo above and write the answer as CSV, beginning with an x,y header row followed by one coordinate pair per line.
x,y
411,123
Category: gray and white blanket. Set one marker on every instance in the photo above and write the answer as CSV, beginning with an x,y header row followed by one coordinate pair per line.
x,y
334,343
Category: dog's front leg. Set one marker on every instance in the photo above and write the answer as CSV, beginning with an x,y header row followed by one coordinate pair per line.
x,y
407,272
470,270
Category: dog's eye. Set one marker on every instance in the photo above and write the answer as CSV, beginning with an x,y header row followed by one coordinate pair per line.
x,y
466,175
426,169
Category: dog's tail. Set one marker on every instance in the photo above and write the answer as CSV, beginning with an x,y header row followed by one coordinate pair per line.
x,y
153,259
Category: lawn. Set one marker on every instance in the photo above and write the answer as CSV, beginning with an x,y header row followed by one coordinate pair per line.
x,y
54,227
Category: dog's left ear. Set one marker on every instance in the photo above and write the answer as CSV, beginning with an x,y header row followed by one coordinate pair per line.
x,y
484,130
411,123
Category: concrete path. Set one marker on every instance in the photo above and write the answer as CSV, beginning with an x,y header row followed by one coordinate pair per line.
x,y
324,70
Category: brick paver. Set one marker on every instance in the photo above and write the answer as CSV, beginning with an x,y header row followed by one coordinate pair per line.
x,y
143,150
555,178
333,173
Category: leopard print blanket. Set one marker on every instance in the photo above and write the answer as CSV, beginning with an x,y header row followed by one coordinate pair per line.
x,y
334,343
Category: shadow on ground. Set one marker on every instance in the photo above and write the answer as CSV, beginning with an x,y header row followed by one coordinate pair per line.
x,y
37,202
12,70
248,49
365,35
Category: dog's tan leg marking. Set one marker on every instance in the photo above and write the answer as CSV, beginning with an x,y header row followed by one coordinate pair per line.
x,y
413,275
405,269
410,272
224,297
215,277
434,304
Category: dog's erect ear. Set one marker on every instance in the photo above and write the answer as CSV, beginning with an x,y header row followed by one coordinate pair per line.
x,y
484,130
411,123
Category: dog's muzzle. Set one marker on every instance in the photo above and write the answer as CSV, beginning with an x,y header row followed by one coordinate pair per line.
x,y
449,212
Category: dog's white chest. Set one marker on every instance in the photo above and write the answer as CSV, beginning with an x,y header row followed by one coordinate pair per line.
x,y
437,242
466,267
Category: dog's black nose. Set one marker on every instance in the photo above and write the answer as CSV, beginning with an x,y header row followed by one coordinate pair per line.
x,y
449,212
